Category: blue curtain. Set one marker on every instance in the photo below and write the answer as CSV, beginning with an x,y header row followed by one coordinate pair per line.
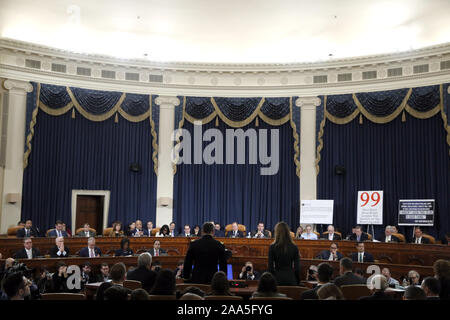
x,y
407,160
227,193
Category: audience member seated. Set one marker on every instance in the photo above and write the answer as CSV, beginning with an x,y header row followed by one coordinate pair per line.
x,y
419,238
311,273
27,231
58,231
235,233
156,250
139,294
378,284
414,293
191,290
16,286
308,234
148,229
116,293
124,250
332,255
248,273
219,285
360,273
186,232
172,231
118,273
163,231
59,250
330,291
431,287
324,274
299,232
191,296
28,252
87,276
86,232
441,270
413,278
103,276
267,287
9,262
60,278
131,229
358,235
361,256
217,230
179,270
388,235
165,283
143,273
391,281
330,234
91,250
116,230
260,233
347,277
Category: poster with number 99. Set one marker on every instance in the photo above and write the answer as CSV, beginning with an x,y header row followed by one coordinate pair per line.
x,y
370,207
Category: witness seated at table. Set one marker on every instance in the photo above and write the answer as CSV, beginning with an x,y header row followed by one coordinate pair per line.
x,y
27,231
58,231
267,287
86,232
235,232
431,287
324,274
118,275
332,255
414,293
347,277
163,231
260,233
59,250
358,235
157,250
219,285
330,291
165,283
378,285
330,234
361,255
116,230
388,235
419,238
391,281
27,252
124,250
248,273
103,276
143,273
308,234
91,250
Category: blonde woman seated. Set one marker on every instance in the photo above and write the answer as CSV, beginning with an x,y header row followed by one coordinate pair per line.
x,y
267,287
330,291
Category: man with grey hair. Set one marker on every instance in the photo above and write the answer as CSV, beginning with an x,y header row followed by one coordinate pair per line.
x,y
388,237
378,285
391,281
91,250
413,278
330,234
59,250
144,272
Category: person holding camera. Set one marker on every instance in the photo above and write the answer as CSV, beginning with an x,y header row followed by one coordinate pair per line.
x,y
248,273
16,286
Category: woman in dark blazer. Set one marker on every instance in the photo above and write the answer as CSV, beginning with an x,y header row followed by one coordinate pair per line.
x,y
284,259
124,248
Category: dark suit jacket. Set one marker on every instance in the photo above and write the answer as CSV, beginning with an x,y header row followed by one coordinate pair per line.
x,y
184,235
145,276
325,255
244,276
147,233
22,254
285,265
393,238
367,257
101,290
364,237
162,252
336,237
55,249
379,295
349,278
83,234
122,253
266,234
240,234
205,254
53,234
423,240
85,252
310,294
219,233
21,233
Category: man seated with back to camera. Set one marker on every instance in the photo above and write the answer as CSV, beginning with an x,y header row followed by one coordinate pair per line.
x,y
248,273
347,277
144,273
118,276
324,274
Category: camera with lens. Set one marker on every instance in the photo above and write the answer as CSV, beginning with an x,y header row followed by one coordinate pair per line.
x,y
248,269
20,267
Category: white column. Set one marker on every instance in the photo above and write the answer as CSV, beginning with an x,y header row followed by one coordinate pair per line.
x,y
164,215
308,146
13,173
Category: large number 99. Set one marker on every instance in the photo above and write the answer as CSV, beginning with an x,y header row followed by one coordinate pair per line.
x,y
365,198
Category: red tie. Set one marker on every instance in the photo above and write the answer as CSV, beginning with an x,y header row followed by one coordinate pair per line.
x,y
157,253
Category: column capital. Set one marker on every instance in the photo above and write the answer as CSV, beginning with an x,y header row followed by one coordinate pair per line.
x,y
17,86
167,101
310,102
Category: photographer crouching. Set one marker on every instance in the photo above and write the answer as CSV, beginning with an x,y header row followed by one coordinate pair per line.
x,y
248,273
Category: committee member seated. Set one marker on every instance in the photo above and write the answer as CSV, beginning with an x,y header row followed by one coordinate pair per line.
x,y
27,252
358,235
391,281
330,234
116,230
59,250
163,231
267,287
332,255
148,230
361,255
124,248
324,274
248,273
143,273
27,231
86,232
309,234
419,238
91,250
156,250
186,231
347,277
138,231
197,231
388,235
172,231
235,233
378,285
299,232
260,233
431,287
218,231
58,231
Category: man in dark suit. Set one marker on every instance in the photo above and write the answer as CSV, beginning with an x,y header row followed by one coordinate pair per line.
x,y
359,235
172,231
324,274
156,250
104,275
361,255
91,250
186,232
378,285
388,237
260,233
28,252
148,230
143,272
431,286
330,234
217,231
205,254
419,238
347,277
58,231
235,233
59,250
86,232
333,254
28,231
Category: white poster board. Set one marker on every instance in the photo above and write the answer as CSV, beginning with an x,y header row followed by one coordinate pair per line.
x,y
316,211
370,207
